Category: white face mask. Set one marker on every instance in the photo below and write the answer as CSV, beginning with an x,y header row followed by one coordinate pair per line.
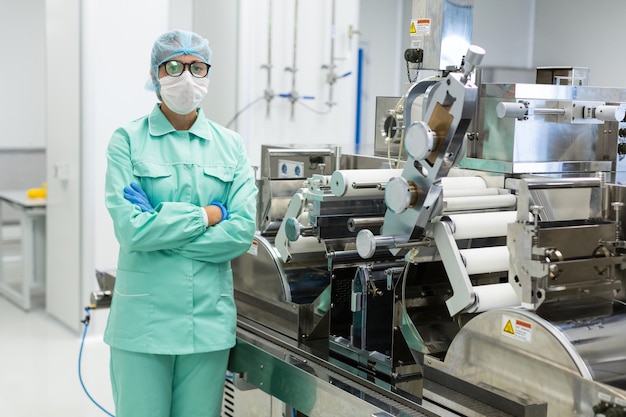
x,y
183,94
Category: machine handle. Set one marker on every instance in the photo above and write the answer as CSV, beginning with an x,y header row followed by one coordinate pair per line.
x,y
294,229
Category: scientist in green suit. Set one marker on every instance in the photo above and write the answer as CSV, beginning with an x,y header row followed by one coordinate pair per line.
x,y
182,196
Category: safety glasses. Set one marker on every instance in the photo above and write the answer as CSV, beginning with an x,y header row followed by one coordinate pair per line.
x,y
176,68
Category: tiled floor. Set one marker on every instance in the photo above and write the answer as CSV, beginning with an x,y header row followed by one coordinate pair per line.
x,y
39,361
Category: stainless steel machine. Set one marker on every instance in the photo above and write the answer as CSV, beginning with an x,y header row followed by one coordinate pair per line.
x,y
475,267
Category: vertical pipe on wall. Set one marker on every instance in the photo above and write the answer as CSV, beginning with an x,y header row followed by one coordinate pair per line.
x,y
331,66
293,96
359,80
269,93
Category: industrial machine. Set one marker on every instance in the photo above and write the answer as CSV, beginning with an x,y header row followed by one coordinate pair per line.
x,y
480,274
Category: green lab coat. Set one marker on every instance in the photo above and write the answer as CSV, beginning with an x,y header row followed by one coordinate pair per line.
x,y
174,290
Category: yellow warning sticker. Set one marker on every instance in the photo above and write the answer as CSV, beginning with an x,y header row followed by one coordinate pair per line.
x,y
420,27
518,329
508,327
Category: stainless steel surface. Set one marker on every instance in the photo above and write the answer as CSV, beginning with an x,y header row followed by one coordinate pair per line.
x,y
540,143
443,28
313,160
106,285
389,122
552,362
284,296
316,385
312,385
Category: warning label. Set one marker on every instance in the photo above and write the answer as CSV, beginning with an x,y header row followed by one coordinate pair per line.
x,y
420,27
254,248
517,329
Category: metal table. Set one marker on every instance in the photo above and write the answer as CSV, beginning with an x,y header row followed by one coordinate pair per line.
x,y
33,227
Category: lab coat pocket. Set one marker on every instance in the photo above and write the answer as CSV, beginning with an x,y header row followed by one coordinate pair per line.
x,y
132,312
226,282
157,180
218,179
222,172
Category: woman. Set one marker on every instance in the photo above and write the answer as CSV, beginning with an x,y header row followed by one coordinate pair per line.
x,y
182,196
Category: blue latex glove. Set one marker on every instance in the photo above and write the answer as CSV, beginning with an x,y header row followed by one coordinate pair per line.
x,y
138,197
222,208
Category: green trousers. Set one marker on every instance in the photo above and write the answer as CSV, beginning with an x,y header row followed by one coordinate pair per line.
x,y
147,385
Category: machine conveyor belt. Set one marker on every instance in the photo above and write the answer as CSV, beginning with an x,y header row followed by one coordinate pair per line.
x,y
310,383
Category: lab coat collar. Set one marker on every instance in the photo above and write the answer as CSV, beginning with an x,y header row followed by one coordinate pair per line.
x,y
159,125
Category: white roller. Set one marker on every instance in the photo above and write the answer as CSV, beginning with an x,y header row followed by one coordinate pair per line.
x,y
479,202
509,109
489,297
341,181
610,113
469,192
477,225
306,244
485,260
456,183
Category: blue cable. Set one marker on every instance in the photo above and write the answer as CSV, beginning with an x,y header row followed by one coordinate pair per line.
x,y
80,356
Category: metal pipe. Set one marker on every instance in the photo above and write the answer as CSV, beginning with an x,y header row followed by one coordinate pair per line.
x,y
415,244
557,112
331,67
347,256
355,223
294,96
337,152
564,183
305,151
269,93
360,185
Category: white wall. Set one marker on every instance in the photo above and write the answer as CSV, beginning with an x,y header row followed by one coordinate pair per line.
x,y
22,79
63,116
505,29
218,21
584,34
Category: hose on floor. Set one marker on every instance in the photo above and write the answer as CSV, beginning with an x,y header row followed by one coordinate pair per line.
x,y
80,357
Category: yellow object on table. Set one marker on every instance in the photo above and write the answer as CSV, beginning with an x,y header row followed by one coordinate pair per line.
x,y
37,192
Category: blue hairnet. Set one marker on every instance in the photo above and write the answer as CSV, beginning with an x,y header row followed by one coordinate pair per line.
x,y
173,44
